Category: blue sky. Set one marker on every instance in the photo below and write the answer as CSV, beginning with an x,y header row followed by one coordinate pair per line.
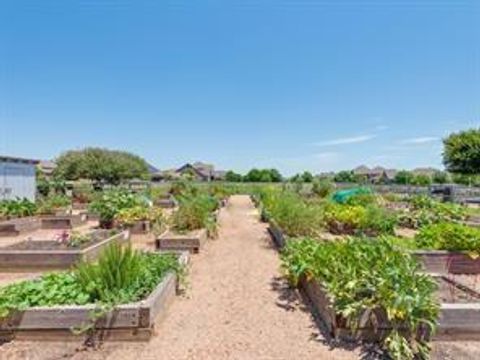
x,y
318,85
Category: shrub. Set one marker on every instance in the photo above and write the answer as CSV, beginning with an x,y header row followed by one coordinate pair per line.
x,y
449,236
323,188
395,291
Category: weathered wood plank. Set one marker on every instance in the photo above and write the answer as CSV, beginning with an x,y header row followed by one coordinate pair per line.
x,y
63,222
191,241
130,321
445,262
56,259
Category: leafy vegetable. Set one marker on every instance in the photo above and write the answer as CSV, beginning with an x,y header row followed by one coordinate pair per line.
x,y
449,236
17,208
109,203
395,290
121,275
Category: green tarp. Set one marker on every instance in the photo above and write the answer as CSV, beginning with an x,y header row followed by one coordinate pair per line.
x,y
342,196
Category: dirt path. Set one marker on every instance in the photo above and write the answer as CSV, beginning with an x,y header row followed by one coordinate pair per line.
x,y
236,307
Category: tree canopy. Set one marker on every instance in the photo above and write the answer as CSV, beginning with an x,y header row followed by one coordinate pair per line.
x,y
461,154
404,177
344,176
233,176
263,175
101,165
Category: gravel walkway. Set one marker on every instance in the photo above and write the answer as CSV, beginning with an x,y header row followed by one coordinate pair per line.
x,y
236,307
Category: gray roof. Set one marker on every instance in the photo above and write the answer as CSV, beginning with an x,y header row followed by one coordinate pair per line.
x,y
13,159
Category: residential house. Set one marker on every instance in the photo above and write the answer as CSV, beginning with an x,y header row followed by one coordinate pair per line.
x,y
197,171
376,175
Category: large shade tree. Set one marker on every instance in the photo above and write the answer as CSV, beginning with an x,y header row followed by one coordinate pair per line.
x,y
461,154
100,165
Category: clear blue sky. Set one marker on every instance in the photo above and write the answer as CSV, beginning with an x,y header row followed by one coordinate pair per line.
x,y
318,85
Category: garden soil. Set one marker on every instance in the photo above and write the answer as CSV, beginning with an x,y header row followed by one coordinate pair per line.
x,y
236,306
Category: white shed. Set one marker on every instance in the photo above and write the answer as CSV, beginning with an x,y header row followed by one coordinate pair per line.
x,y
17,178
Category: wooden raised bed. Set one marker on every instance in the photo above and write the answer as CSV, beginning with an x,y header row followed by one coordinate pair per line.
x,y
447,262
277,235
191,241
14,227
129,321
457,320
58,259
63,222
166,203
140,227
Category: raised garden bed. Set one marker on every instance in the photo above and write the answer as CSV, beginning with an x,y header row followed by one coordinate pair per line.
x,y
459,317
63,221
140,227
166,203
129,321
190,241
47,254
277,235
445,262
80,206
14,227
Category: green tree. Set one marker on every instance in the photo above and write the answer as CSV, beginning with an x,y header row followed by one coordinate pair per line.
x,y
253,175
307,177
422,180
295,178
404,177
440,177
263,175
461,154
100,165
275,175
344,176
232,176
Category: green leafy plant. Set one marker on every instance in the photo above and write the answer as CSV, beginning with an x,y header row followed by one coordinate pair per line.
x,y
17,208
121,275
322,188
363,199
451,237
53,203
356,219
195,212
395,293
291,213
109,203
130,216
425,211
